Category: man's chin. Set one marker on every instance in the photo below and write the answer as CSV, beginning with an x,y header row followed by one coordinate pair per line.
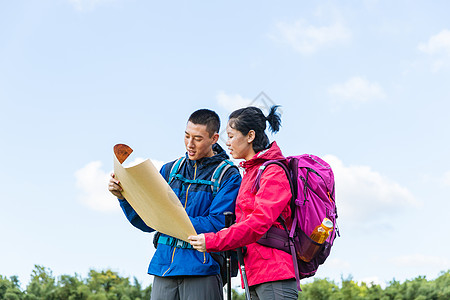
x,y
193,157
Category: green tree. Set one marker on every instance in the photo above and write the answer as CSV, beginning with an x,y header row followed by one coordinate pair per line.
x,y
108,285
10,288
71,288
42,284
394,291
351,290
235,295
374,292
442,284
320,289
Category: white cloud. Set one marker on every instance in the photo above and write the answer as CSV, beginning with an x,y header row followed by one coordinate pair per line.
x,y
446,178
364,196
92,182
420,260
88,5
438,46
357,89
306,38
232,102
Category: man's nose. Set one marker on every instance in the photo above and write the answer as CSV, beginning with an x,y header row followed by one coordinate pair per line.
x,y
190,143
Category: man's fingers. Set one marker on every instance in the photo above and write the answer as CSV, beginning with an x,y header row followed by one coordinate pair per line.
x,y
113,186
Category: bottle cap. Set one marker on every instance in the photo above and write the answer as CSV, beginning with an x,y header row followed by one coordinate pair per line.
x,y
327,223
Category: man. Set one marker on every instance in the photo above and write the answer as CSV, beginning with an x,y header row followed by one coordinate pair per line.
x,y
180,271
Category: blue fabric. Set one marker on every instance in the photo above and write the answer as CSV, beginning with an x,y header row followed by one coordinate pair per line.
x,y
204,211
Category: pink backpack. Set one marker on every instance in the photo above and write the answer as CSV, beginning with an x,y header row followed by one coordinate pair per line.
x,y
313,199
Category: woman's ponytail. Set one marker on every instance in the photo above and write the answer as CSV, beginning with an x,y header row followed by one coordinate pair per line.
x,y
274,119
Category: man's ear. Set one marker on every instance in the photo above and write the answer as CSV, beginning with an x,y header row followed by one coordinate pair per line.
x,y
251,136
215,137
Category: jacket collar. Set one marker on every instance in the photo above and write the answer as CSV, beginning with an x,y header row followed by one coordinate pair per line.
x,y
219,155
271,153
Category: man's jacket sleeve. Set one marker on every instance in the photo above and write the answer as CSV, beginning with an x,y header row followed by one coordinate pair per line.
x,y
133,217
225,200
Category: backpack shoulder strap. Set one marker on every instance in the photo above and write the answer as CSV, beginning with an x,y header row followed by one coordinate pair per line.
x,y
218,174
261,169
291,180
216,177
176,168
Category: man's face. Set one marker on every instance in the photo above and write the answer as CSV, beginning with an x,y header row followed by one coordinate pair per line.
x,y
198,142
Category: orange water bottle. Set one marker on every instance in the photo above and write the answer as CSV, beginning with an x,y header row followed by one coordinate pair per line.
x,y
322,231
319,236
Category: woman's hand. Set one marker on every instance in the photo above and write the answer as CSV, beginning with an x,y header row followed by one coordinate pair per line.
x,y
198,242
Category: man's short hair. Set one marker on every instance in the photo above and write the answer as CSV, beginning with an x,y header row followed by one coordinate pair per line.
x,y
206,117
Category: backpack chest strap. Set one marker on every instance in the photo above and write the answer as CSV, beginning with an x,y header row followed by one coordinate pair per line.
x,y
216,177
195,181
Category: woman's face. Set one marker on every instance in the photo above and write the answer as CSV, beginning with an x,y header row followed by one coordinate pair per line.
x,y
240,146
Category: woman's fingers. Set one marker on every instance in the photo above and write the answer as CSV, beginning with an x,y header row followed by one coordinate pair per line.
x,y
198,242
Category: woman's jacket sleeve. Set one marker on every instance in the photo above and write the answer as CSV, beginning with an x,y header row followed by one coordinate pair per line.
x,y
271,199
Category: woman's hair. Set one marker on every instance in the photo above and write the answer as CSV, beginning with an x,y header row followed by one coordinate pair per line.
x,y
252,118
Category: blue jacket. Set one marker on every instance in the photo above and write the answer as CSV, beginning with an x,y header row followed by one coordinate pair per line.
x,y
204,211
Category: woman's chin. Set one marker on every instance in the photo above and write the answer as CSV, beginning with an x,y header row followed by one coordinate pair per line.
x,y
235,156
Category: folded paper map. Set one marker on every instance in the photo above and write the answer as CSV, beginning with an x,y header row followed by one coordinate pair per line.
x,y
151,197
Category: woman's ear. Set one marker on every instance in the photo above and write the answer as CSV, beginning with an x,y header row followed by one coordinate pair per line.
x,y
251,136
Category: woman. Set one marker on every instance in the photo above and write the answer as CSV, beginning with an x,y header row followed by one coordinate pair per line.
x,y
270,272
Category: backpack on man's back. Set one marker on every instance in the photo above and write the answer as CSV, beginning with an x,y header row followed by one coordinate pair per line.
x,y
313,199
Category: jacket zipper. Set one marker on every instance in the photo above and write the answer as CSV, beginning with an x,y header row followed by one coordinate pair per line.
x,y
185,203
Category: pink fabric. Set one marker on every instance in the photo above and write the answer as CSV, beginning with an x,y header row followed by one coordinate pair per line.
x,y
255,214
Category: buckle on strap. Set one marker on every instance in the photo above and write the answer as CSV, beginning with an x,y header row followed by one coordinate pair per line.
x,y
182,244
174,242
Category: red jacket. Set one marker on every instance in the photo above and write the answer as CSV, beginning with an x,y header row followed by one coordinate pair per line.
x,y
255,214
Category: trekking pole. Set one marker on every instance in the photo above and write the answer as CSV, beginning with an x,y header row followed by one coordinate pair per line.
x,y
228,222
240,256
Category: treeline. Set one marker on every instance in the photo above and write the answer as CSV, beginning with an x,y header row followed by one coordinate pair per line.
x,y
109,285
104,285
416,289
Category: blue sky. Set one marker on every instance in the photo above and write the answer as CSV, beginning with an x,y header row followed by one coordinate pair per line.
x,y
364,84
